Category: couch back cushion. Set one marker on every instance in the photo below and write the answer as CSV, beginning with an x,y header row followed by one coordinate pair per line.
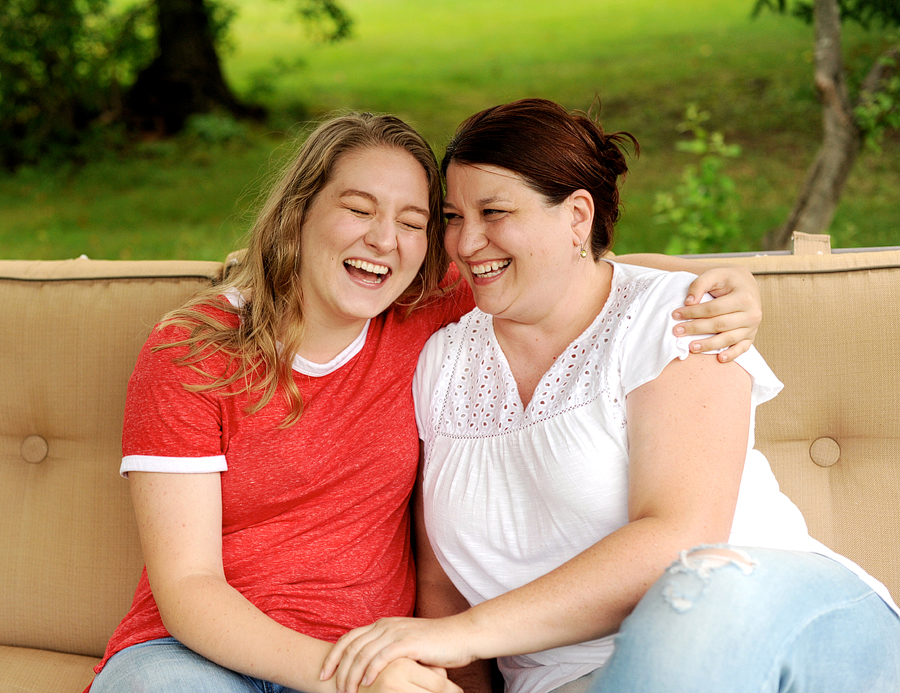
x,y
830,332
71,331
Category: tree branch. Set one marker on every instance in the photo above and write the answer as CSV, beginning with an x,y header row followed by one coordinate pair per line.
x,y
829,75
885,64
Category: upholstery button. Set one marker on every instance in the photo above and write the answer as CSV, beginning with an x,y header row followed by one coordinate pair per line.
x,y
35,449
825,451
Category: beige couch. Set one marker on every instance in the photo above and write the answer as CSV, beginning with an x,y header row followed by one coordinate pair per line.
x,y
70,332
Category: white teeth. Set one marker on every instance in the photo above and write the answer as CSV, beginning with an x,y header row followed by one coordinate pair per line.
x,y
368,266
490,269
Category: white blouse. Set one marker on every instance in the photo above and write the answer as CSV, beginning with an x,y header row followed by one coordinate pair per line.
x,y
512,492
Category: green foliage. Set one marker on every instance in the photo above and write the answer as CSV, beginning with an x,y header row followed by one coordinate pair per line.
x,y
434,64
867,13
65,65
880,111
328,20
261,83
62,64
703,209
221,14
877,110
216,128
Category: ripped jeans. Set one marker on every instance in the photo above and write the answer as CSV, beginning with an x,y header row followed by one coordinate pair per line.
x,y
732,620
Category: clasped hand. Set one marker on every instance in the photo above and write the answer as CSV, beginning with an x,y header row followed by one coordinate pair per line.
x,y
362,654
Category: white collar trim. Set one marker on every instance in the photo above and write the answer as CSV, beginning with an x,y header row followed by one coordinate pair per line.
x,y
305,366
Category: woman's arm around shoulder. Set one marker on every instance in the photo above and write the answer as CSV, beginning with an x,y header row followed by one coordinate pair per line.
x,y
731,319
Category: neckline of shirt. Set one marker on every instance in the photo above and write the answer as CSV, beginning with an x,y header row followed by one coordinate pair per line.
x,y
303,365
615,282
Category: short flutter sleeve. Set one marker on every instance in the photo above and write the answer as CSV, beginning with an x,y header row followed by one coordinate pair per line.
x,y
167,427
648,344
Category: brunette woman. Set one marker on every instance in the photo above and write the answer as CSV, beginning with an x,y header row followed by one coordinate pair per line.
x,y
573,451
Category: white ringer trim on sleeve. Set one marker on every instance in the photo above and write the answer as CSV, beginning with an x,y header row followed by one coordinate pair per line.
x,y
172,465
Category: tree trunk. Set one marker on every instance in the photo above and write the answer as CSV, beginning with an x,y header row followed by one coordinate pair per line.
x,y
186,75
841,142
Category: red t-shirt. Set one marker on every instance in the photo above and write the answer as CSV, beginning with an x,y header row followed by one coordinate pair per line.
x,y
315,520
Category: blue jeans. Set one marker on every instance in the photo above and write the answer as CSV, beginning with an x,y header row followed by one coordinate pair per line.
x,y
730,620
167,666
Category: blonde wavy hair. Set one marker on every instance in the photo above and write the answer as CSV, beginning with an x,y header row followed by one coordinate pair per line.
x,y
259,351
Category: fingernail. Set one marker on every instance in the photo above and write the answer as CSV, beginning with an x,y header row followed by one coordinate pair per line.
x,y
695,347
690,299
677,315
679,330
322,675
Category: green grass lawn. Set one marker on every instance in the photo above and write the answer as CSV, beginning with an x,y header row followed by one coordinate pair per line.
x,y
435,63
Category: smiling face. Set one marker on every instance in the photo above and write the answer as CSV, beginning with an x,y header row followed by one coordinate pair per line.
x,y
517,251
364,237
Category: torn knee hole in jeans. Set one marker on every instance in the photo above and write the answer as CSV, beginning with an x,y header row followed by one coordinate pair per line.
x,y
688,578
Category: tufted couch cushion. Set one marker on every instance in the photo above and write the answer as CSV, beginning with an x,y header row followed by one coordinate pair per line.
x,y
70,333
69,552
830,332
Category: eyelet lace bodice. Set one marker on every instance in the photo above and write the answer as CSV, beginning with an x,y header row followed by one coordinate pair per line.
x,y
482,398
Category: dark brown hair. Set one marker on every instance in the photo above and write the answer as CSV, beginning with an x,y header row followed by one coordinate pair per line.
x,y
554,151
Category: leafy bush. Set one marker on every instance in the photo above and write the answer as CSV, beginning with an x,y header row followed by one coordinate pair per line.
x,y
866,13
880,111
62,64
703,209
216,128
